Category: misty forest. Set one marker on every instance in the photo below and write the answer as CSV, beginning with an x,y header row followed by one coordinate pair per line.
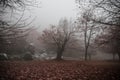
x,y
60,40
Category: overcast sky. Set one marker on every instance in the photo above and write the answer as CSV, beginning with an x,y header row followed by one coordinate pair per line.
x,y
52,11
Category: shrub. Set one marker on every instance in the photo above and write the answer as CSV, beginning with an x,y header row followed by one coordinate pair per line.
x,y
3,57
27,57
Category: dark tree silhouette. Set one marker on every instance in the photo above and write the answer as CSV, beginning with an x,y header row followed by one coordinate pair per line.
x,y
9,30
112,10
88,29
110,17
59,37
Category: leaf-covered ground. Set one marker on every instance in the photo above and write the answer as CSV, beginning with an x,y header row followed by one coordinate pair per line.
x,y
59,70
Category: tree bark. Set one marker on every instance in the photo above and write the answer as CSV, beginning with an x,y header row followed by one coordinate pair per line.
x,y
113,56
61,50
89,56
59,55
86,53
119,56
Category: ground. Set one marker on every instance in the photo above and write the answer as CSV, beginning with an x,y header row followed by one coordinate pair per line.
x,y
59,70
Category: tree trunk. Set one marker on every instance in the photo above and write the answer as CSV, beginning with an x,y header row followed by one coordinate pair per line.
x,y
60,50
113,56
119,56
86,53
89,56
59,55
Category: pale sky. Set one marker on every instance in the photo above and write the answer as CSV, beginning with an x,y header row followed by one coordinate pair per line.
x,y
52,11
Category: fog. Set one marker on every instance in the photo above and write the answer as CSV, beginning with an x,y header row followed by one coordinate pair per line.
x,y
77,28
51,11
59,40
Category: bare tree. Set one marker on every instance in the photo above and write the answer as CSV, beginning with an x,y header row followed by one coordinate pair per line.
x,y
59,37
88,29
112,19
107,43
8,29
109,10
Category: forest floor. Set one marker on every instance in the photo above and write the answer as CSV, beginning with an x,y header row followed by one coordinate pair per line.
x,y
59,70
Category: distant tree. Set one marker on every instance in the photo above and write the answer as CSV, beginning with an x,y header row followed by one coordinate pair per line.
x,y
59,37
107,43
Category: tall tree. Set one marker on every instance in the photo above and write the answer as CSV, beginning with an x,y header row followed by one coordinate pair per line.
x,y
109,10
59,37
8,29
112,19
106,43
88,29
